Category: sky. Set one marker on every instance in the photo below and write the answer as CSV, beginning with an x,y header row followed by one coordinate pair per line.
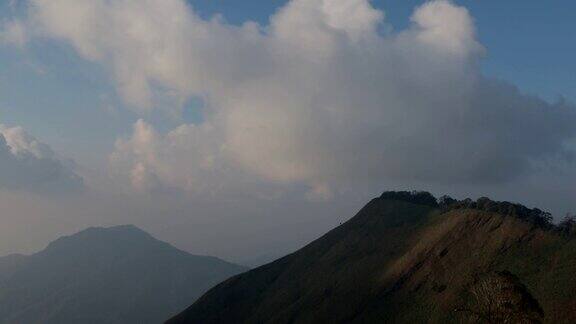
x,y
245,129
527,41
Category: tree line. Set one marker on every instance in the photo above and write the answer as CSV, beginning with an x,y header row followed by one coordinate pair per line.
x,y
535,216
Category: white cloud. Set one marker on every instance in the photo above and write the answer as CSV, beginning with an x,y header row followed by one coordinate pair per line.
x,y
22,143
180,158
447,27
29,165
318,98
189,158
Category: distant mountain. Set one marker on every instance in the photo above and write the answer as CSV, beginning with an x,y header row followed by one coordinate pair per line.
x,y
105,275
9,264
405,258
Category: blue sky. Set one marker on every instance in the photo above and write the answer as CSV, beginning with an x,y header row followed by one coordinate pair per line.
x,y
528,43
320,111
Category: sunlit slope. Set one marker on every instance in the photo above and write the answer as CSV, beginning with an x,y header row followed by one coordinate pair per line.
x,y
404,262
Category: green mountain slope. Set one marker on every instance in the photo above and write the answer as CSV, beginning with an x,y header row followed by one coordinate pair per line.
x,y
407,260
105,275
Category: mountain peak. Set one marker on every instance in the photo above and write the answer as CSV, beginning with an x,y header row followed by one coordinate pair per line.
x,y
116,228
105,240
127,229
117,274
416,197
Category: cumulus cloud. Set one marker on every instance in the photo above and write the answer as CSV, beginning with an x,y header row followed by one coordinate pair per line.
x,y
319,97
446,27
29,165
180,158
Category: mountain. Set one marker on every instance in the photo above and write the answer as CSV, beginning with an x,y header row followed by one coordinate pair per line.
x,y
9,264
105,275
406,258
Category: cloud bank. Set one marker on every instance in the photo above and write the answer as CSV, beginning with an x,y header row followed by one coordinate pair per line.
x,y
29,165
320,97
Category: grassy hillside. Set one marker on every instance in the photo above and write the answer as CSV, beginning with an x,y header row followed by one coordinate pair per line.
x,y
405,261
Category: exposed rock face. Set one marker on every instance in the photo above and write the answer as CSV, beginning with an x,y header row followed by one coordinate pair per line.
x,y
500,297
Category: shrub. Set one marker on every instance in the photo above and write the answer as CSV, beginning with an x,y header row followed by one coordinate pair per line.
x,y
568,225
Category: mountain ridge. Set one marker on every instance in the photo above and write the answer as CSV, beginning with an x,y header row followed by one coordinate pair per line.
x,y
407,258
119,274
